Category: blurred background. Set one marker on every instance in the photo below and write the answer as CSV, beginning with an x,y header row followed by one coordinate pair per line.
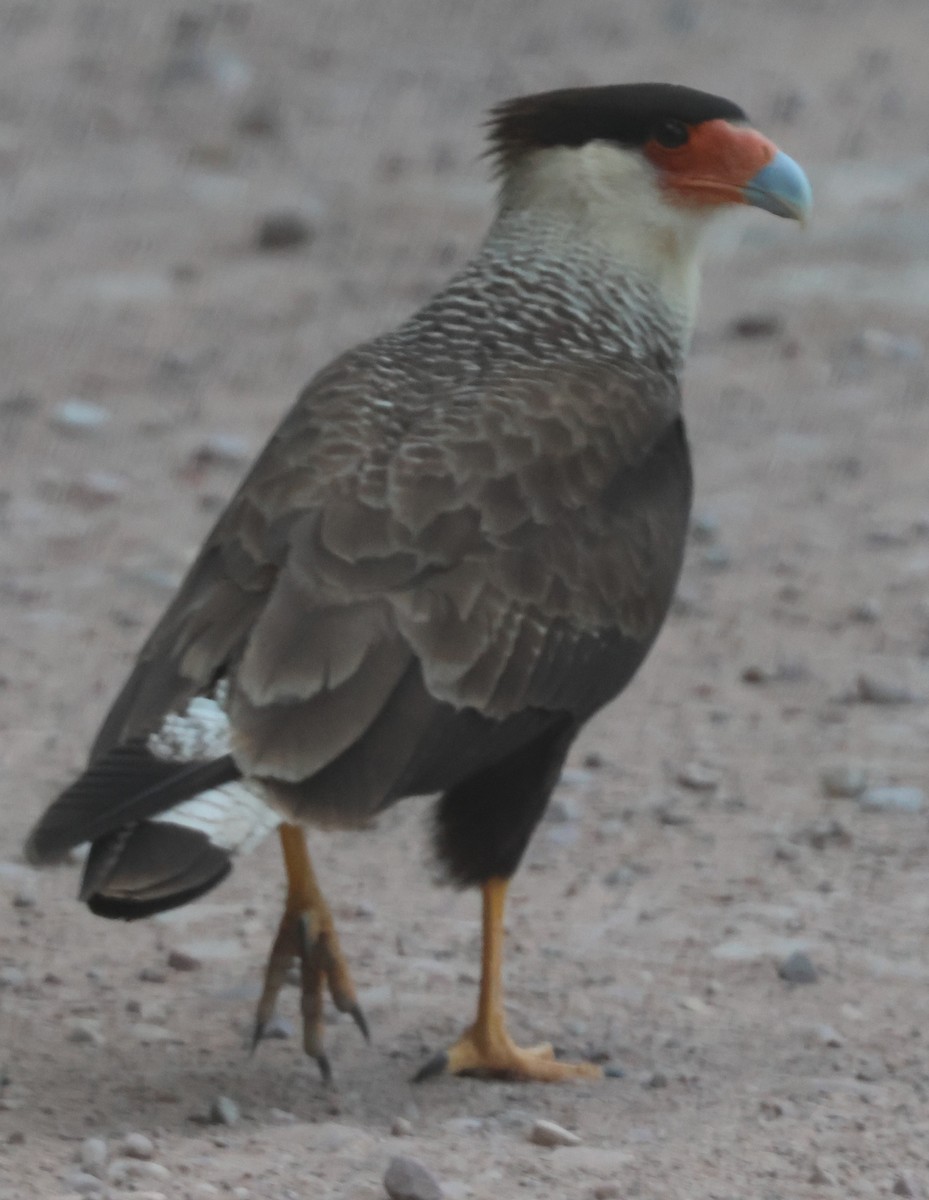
x,y
199,206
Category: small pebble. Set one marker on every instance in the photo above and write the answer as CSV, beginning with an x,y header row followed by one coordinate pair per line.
x,y
93,1155
757,325
843,782
85,1031
96,488
563,808
893,347
222,450
822,1177
121,1170
401,1127
704,527
548,1133
224,1111
11,977
79,416
283,231
620,877
137,1145
151,975
179,961
878,691
830,1037
868,612
797,968
407,1179
83,1183
280,1028
698,777
716,558
893,799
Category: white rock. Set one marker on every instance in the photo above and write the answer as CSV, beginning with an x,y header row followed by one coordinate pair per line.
x,y
79,416
93,1154
407,1179
893,799
548,1133
137,1145
881,343
83,1183
224,1111
85,1031
843,781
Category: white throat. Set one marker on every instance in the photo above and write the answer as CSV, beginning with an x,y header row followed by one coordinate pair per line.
x,y
601,198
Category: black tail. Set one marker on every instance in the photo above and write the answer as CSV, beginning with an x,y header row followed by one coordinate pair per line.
x,y
149,868
136,866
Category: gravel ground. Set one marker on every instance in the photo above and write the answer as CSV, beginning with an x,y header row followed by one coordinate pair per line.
x,y
729,898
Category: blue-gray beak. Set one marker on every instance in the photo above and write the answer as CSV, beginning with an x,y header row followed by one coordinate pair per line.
x,y
781,188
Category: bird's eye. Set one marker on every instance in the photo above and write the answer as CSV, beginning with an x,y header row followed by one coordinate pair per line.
x,y
671,133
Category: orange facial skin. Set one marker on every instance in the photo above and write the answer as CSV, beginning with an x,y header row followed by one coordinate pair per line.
x,y
714,165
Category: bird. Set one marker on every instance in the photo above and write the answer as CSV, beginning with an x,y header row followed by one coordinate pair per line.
x,y
458,545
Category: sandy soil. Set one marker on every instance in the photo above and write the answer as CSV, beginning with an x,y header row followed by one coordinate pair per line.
x,y
692,846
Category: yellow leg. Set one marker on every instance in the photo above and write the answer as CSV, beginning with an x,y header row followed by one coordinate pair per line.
x,y
307,932
487,1048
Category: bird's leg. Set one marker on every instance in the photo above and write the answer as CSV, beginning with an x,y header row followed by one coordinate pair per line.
x,y
487,1048
307,932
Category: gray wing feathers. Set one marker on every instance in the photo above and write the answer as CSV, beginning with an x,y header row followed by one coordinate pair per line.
x,y
480,545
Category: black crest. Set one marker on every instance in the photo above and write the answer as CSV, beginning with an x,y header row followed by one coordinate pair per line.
x,y
627,114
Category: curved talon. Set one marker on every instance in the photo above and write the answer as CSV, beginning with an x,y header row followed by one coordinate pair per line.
x,y
437,1065
307,933
356,1014
486,1048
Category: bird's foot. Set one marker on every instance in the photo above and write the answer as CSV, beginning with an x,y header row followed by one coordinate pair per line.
x,y
309,936
492,1054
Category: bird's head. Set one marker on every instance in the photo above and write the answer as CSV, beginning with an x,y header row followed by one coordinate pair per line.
x,y
640,170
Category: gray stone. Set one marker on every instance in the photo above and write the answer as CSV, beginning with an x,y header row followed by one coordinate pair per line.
x,y
283,231
121,1170
93,1154
549,1133
11,977
879,691
698,777
716,558
892,347
137,1145
224,1111
223,450
797,968
85,1031
83,1183
75,416
893,799
704,527
843,781
868,612
407,1179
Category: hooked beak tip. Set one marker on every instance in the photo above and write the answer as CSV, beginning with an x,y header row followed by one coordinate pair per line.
x,y
781,187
